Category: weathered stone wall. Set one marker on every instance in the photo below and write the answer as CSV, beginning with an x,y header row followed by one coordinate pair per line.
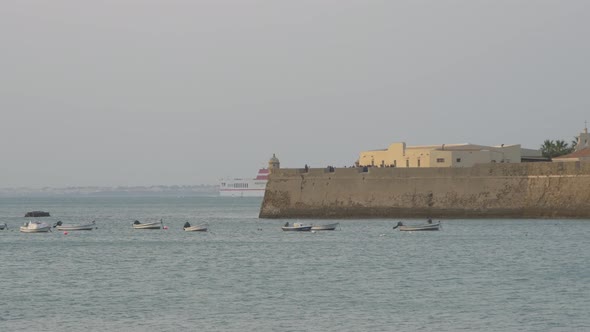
x,y
527,190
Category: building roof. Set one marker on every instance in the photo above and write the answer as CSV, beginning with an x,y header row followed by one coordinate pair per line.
x,y
460,147
583,153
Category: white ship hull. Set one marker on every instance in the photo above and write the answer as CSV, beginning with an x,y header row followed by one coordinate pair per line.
x,y
244,187
242,193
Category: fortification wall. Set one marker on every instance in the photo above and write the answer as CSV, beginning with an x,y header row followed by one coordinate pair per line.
x,y
526,190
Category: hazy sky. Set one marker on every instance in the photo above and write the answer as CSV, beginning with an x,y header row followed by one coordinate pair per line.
x,y
140,92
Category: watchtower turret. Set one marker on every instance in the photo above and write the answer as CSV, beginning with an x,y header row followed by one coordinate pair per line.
x,y
274,163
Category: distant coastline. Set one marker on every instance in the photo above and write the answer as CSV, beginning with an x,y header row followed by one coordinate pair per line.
x,y
156,190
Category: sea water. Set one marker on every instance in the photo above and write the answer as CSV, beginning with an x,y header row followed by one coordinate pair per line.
x,y
245,274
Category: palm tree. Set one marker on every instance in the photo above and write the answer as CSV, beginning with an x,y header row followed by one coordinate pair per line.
x,y
561,147
552,149
548,148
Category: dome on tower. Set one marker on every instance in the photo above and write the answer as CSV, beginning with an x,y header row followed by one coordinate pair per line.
x,y
274,162
274,159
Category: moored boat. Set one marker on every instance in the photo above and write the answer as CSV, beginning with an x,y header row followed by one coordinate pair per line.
x,y
35,227
423,227
84,227
297,227
149,225
197,228
327,227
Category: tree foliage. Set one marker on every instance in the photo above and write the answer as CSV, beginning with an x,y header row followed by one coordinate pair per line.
x,y
552,149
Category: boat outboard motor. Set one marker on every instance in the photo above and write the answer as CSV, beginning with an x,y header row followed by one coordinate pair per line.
x,y
399,223
58,223
186,225
136,222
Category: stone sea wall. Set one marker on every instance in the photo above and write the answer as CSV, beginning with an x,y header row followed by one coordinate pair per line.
x,y
526,190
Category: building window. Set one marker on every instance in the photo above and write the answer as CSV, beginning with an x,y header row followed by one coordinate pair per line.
x,y
458,160
407,163
395,163
418,162
440,160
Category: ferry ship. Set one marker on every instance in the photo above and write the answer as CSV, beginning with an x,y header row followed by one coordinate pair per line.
x,y
244,187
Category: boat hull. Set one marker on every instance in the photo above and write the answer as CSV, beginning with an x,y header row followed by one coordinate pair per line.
x,y
428,227
242,193
75,227
198,228
296,229
153,225
329,227
24,229
35,227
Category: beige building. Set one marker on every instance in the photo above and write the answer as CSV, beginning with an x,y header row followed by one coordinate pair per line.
x,y
582,150
444,155
583,140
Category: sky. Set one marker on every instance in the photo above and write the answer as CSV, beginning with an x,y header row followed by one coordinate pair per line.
x,y
146,92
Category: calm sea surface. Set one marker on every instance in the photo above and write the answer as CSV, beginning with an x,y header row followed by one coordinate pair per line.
x,y
248,275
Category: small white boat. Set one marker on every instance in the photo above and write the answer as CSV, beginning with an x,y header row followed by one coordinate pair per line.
x,y
149,225
35,227
197,228
3,227
297,227
327,227
424,227
87,227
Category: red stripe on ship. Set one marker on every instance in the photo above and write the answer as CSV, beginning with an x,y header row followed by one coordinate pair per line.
x,y
262,174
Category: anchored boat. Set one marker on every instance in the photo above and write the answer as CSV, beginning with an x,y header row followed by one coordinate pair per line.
x,y
423,227
297,227
35,227
197,228
87,227
327,227
149,225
